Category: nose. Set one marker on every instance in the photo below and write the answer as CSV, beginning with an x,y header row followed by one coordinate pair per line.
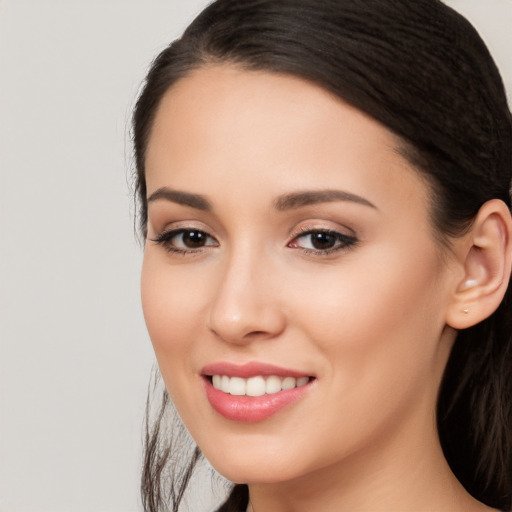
x,y
246,303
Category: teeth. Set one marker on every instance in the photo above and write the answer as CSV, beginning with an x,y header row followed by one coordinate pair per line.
x,y
256,386
288,383
237,386
302,381
273,385
224,384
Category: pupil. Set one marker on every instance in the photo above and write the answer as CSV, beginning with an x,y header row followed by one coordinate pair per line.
x,y
194,239
323,240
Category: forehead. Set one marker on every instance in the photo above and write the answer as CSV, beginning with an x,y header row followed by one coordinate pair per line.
x,y
225,126
227,97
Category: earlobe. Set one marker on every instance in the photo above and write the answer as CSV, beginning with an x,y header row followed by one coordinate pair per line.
x,y
485,257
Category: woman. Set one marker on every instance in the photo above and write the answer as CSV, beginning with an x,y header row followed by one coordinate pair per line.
x,y
324,190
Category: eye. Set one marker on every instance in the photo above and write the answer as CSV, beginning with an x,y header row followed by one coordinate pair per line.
x,y
322,241
185,240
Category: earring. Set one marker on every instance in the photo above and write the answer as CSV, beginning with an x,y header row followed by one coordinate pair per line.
x,y
466,311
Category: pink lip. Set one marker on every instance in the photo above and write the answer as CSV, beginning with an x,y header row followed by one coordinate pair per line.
x,y
251,369
249,409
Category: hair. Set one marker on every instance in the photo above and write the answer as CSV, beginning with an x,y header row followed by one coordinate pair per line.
x,y
421,70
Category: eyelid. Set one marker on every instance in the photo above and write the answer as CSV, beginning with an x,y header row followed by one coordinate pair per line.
x,y
165,236
341,240
160,227
345,241
318,225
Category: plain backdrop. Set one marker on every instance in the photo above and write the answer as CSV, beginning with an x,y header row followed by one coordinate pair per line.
x,y
75,358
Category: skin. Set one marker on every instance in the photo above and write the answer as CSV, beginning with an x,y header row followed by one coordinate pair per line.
x,y
369,321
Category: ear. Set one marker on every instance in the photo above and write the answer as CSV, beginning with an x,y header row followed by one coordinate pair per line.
x,y
484,255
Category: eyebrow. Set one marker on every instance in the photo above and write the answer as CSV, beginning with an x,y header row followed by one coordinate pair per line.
x,y
196,201
285,202
307,198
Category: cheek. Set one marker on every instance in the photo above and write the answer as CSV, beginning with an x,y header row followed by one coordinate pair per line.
x,y
378,331
379,315
170,302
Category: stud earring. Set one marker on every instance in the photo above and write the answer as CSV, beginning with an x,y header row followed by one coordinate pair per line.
x,y
466,311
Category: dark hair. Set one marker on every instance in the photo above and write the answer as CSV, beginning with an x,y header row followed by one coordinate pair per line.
x,y
423,71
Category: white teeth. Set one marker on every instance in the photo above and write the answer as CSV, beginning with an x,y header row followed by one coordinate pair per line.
x,y
272,385
224,384
302,381
289,383
237,386
256,386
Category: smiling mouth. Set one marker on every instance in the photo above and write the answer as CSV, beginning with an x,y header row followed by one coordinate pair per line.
x,y
256,386
253,392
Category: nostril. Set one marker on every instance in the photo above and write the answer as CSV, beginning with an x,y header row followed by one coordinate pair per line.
x,y
251,324
255,334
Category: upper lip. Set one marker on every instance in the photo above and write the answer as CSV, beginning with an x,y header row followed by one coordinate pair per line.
x,y
251,369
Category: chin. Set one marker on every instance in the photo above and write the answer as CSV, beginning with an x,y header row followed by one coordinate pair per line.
x,y
256,466
266,473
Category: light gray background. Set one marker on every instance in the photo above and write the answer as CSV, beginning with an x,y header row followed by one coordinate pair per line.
x,y
74,355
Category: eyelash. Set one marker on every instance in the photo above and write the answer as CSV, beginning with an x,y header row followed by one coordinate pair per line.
x,y
165,240
343,241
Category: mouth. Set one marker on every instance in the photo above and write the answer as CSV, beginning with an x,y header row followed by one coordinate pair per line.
x,y
258,385
253,392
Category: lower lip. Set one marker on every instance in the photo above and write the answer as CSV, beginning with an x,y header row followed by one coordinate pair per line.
x,y
250,409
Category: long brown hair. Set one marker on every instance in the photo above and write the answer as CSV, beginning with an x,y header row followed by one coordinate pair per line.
x,y
423,71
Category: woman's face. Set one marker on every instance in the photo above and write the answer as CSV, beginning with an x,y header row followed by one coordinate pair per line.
x,y
290,256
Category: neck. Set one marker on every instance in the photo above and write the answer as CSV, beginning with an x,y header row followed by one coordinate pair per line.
x,y
391,475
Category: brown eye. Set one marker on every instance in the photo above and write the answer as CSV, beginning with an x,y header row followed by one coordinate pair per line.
x,y
319,241
323,240
194,239
185,240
